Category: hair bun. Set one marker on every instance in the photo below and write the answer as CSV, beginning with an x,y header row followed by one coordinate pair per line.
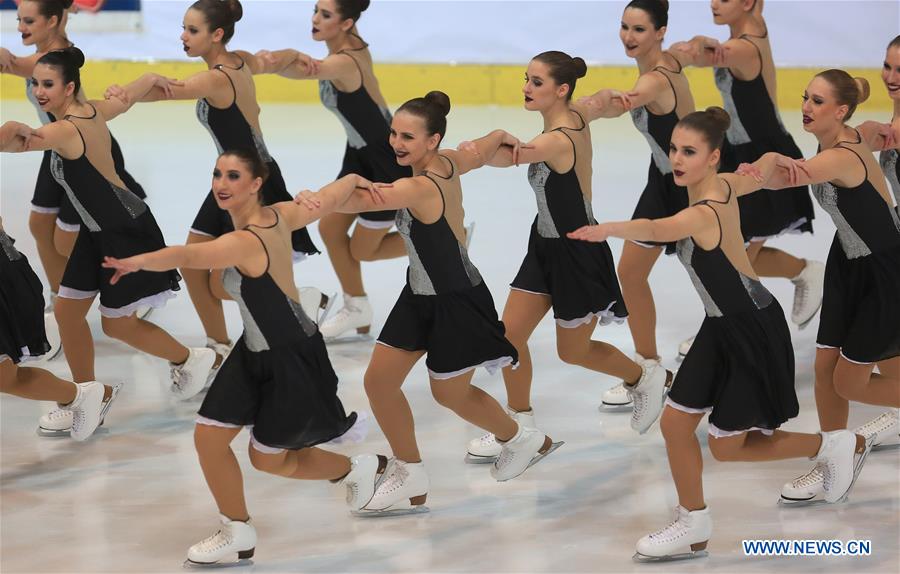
x,y
720,117
439,100
235,9
862,86
66,4
363,4
665,5
580,67
74,55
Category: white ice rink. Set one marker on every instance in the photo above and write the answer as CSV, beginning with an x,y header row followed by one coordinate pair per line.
x,y
132,499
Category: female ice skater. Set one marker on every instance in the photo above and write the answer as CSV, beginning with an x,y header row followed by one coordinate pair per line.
x,y
745,76
740,369
116,223
53,221
278,378
22,333
657,101
445,311
348,87
577,280
860,309
227,107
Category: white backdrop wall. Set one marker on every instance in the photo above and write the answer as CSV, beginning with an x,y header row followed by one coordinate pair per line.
x,y
805,33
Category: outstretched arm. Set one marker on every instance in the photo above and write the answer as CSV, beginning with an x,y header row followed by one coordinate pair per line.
x,y
229,250
17,65
333,67
879,136
153,87
282,62
609,103
691,221
15,137
308,206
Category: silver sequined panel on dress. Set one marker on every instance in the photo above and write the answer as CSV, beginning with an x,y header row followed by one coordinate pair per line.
x,y
888,161
737,133
328,95
640,117
57,169
133,204
538,173
309,328
419,281
203,115
8,248
472,271
761,296
231,281
827,196
685,251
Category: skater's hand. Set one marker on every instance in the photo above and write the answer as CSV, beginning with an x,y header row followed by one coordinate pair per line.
x,y
26,134
166,85
751,170
594,233
6,59
122,266
311,64
118,92
374,189
794,168
517,146
886,131
307,199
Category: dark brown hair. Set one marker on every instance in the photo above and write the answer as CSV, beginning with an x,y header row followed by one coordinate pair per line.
x,y
895,43
51,8
220,14
352,9
658,10
67,62
564,69
712,123
848,91
433,108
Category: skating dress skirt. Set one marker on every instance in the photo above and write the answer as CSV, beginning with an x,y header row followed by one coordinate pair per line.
x,y
22,332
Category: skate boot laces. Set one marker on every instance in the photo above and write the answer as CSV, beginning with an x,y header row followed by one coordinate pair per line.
x,y
676,529
809,479
877,425
179,377
487,440
58,415
221,539
395,479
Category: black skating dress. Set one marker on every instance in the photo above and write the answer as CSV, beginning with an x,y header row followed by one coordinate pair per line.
x,y
579,276
22,332
116,223
861,305
230,130
368,127
756,129
740,368
278,377
661,197
445,308
50,197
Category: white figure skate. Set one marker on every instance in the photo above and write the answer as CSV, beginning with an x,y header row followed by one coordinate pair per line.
x,y
355,315
808,291
58,422
649,395
189,378
837,468
528,447
485,449
233,544
402,490
366,471
685,538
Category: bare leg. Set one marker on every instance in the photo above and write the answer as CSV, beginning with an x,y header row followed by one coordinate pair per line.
x,y
221,469
755,446
890,368
76,336
387,370
855,382
474,405
634,272
832,408
42,227
35,384
685,459
771,262
521,316
334,231
304,464
576,347
209,308
368,244
146,337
